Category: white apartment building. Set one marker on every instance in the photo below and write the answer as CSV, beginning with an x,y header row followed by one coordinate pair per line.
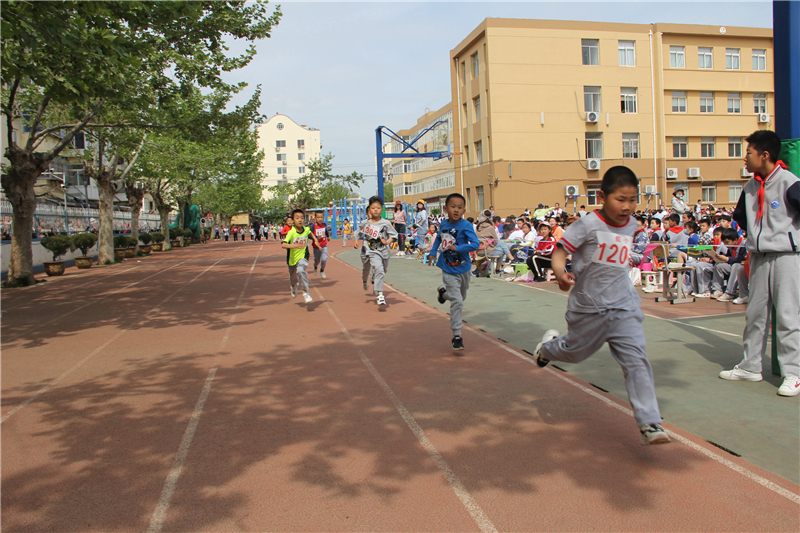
x,y
288,147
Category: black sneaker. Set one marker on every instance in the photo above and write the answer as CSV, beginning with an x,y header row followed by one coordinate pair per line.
x,y
458,343
537,353
538,279
440,296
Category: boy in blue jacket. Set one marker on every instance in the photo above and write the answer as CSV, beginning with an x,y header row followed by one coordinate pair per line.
x,y
454,241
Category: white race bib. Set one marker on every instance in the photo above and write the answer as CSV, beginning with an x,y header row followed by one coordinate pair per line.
x,y
372,231
613,250
447,240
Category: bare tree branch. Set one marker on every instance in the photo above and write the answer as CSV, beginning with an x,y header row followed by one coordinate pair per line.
x,y
68,137
9,110
133,160
33,136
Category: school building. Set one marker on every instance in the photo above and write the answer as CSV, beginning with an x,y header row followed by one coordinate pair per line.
x,y
542,108
287,147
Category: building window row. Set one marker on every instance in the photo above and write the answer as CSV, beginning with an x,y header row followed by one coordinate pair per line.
x,y
705,58
592,99
680,147
444,180
734,102
590,52
301,144
594,145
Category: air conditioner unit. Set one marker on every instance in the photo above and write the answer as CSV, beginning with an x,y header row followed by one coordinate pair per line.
x,y
277,148
745,173
591,117
763,118
285,162
650,189
693,172
592,164
672,173
571,190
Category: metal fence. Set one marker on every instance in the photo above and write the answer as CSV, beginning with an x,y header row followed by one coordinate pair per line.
x,y
58,219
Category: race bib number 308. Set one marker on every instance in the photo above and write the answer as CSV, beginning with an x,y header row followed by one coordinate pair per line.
x,y
612,249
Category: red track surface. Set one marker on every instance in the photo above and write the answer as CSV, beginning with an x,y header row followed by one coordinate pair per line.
x,y
201,397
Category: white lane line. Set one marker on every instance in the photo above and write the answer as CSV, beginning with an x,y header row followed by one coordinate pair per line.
x,y
37,326
711,316
674,321
97,350
239,302
461,492
157,520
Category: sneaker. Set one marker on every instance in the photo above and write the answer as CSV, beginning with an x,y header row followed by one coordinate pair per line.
x,y
538,279
458,343
790,386
315,271
717,294
440,296
323,275
701,294
653,434
550,334
294,291
307,297
650,289
741,300
726,298
381,300
738,374
364,284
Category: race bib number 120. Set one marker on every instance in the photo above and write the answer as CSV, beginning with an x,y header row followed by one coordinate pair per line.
x,y
612,249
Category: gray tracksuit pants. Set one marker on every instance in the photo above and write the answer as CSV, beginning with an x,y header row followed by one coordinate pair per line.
x,y
701,276
297,275
379,267
722,271
320,258
623,331
774,280
456,285
741,285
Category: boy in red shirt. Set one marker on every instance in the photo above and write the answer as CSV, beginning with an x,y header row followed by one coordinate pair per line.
x,y
320,246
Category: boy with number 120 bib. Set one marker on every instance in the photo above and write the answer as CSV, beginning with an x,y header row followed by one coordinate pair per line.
x,y
603,305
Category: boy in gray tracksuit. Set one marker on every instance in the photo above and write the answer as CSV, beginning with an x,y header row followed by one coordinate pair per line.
x,y
769,208
375,236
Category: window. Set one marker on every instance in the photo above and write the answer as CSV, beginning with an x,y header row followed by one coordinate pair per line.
x,y
79,141
707,148
469,200
475,65
628,99
591,193
301,144
734,192
627,54
479,194
476,102
705,57
280,126
706,102
594,145
630,146
283,182
732,58
280,144
680,147
301,156
734,147
759,103
679,101
466,154
466,115
281,157
282,170
590,50
759,60
591,99
734,103
710,192
463,72
677,56
301,170
479,153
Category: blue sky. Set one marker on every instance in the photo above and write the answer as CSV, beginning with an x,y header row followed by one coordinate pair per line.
x,y
348,67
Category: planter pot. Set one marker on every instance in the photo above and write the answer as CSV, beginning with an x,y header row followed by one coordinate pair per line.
x,y
119,254
54,268
146,249
157,247
175,244
130,253
84,262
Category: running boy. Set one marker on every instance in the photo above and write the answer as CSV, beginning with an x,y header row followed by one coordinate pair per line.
x,y
457,239
296,245
603,305
320,231
375,237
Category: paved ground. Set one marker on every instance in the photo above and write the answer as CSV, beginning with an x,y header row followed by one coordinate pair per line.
x,y
189,392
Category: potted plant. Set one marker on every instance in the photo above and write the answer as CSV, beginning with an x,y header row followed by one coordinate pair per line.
x,y
145,238
158,241
187,237
84,242
57,245
130,250
174,235
120,244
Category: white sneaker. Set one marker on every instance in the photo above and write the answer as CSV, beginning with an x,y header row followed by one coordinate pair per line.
x,y
550,334
738,374
307,297
701,294
381,300
323,275
741,300
315,271
653,434
717,294
790,386
650,289
294,291
726,298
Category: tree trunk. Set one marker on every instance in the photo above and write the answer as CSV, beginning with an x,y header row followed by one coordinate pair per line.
x,y
163,212
105,236
135,209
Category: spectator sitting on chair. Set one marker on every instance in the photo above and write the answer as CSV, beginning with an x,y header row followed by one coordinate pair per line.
x,y
656,233
735,253
640,241
542,256
675,235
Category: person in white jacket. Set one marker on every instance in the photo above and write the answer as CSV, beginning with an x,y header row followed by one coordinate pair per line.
x,y
678,205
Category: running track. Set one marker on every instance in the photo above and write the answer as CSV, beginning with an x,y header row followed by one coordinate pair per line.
x,y
189,392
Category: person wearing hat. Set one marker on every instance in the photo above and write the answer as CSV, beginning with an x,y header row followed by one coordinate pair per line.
x,y
678,205
421,223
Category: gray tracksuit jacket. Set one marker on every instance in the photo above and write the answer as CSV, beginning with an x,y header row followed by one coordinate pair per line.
x,y
778,231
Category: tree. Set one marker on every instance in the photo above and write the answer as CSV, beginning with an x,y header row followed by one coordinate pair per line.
x,y
309,189
64,64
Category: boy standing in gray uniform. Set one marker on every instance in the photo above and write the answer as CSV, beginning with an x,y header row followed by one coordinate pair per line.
x,y
375,236
769,208
603,305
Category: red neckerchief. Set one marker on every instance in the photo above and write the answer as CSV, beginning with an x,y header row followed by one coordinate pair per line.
x,y
676,229
762,183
